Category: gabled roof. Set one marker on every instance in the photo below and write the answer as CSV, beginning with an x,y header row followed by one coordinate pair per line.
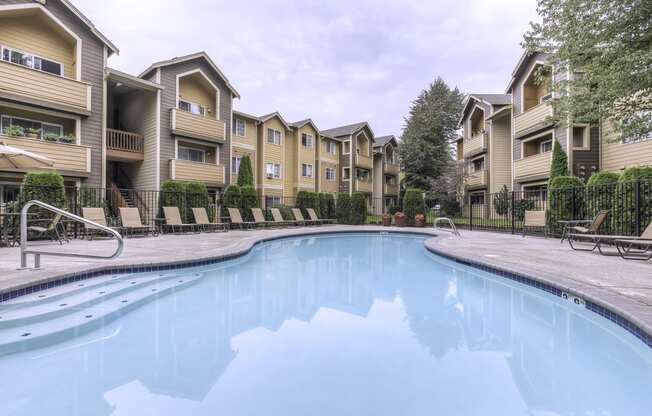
x,y
198,55
489,99
272,115
347,130
88,23
128,79
383,140
301,123
245,115
520,67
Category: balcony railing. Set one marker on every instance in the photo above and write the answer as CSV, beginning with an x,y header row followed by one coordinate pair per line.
x,y
69,159
533,167
391,168
477,179
19,83
476,144
198,127
124,144
364,162
536,118
363,186
186,170
391,189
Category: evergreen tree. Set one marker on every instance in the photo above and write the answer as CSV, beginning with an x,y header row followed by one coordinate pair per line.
x,y
245,175
559,164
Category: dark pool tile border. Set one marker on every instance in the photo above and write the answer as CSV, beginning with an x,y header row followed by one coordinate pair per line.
x,y
609,314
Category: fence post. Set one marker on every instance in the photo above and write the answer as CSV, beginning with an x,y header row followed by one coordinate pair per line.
x,y
470,214
512,213
637,207
572,203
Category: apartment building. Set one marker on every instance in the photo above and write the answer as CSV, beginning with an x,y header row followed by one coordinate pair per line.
x,y
327,163
386,170
244,143
483,149
52,88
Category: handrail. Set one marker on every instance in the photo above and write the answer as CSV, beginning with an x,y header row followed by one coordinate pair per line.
x,y
37,253
449,221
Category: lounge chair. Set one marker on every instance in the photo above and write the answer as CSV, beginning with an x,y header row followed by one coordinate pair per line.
x,y
635,249
54,229
132,224
278,218
259,218
236,219
595,225
534,219
98,216
298,218
173,220
313,216
599,240
202,221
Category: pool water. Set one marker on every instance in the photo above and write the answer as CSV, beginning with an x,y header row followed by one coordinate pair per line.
x,y
363,324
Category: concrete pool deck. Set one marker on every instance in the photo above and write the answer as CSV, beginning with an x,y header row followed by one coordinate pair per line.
x,y
622,286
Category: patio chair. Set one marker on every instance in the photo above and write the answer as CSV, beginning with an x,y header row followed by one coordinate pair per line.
x,y
98,216
173,220
313,216
259,218
202,221
535,219
298,218
132,224
599,241
595,225
635,249
54,229
278,218
236,219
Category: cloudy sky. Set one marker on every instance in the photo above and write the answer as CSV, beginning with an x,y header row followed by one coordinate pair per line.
x,y
335,61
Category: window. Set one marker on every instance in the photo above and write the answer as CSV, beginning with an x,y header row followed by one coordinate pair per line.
x,y
346,174
235,164
273,201
306,170
581,137
273,170
536,192
239,127
545,146
347,147
476,198
477,165
306,140
25,124
31,61
390,180
330,174
330,147
362,174
273,136
191,154
193,108
545,98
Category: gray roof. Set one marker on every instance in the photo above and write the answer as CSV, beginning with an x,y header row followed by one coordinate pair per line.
x,y
383,140
345,130
245,115
275,114
494,99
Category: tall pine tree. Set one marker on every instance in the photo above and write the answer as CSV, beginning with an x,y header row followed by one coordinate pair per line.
x,y
245,174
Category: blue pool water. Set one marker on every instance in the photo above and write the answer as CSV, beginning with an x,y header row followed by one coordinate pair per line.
x,y
331,325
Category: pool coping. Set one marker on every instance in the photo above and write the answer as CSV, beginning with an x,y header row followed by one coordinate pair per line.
x,y
594,302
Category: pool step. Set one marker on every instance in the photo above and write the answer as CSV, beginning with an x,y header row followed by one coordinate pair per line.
x,y
80,320
81,295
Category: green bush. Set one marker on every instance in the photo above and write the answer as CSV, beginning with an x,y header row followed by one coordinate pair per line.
x,y
326,205
413,204
248,200
520,206
502,201
358,208
449,205
245,175
306,199
47,187
185,196
559,164
624,215
600,192
343,208
565,201
231,198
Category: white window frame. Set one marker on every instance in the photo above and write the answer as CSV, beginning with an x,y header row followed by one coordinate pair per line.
x,y
345,169
236,127
273,136
307,170
238,160
200,108
32,55
42,123
331,148
344,143
203,152
586,139
275,167
310,140
541,151
331,174
472,164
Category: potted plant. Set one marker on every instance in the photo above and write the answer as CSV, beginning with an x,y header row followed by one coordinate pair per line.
x,y
399,219
419,220
68,138
51,137
387,219
15,131
33,133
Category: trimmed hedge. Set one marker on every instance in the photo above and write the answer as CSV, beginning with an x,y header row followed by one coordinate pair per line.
x,y
343,208
600,194
245,174
326,206
623,213
231,198
47,187
413,204
358,208
306,199
565,201
186,196
248,200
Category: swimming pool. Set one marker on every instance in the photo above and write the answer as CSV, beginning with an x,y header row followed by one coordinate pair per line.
x,y
350,324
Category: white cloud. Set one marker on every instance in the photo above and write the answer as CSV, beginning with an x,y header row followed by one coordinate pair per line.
x,y
334,61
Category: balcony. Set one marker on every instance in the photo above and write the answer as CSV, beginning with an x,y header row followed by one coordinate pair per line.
x,y
533,167
364,162
30,86
475,145
363,186
534,119
69,159
390,189
124,146
185,170
477,179
391,169
198,127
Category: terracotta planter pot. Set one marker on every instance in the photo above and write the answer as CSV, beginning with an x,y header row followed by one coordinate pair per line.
x,y
419,220
387,220
399,219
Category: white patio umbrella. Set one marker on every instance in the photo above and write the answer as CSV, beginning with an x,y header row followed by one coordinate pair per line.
x,y
15,158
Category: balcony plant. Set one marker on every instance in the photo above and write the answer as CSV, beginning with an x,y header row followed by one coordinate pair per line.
x,y
68,138
15,131
399,219
51,137
33,133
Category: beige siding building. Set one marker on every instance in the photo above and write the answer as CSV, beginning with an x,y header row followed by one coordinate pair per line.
x,y
244,142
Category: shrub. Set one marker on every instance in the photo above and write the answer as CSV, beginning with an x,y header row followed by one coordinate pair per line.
x,y
413,204
231,198
196,197
47,187
502,201
600,191
245,175
173,195
248,200
306,199
624,216
326,205
559,164
565,201
520,206
343,208
358,208
394,209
